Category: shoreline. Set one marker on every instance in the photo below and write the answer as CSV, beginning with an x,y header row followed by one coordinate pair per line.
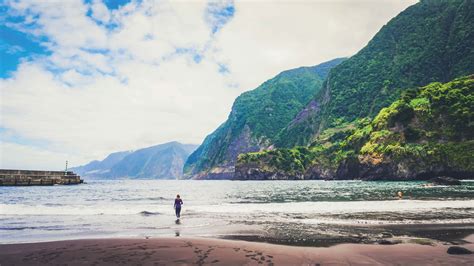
x,y
211,251
327,235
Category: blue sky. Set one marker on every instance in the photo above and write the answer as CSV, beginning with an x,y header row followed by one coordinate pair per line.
x,y
18,44
81,79
115,4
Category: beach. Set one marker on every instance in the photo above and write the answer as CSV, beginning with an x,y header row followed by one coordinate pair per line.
x,y
206,251
236,223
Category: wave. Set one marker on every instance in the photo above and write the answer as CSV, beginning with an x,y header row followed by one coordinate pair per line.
x,y
83,210
320,207
325,207
147,213
46,228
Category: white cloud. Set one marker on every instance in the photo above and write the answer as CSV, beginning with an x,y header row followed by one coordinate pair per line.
x,y
148,72
17,156
100,11
265,38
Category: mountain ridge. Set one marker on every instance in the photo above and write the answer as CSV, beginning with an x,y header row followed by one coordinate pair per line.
x,y
428,42
256,118
162,161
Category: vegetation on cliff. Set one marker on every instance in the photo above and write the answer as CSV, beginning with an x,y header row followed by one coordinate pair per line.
x,y
429,41
256,118
428,130
338,133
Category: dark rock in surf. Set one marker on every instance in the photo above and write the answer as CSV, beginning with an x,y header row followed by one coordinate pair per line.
x,y
147,213
386,234
457,250
385,242
444,180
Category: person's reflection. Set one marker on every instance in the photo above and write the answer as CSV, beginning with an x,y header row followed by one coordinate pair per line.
x,y
177,233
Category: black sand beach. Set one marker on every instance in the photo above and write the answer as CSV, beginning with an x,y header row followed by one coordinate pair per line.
x,y
204,251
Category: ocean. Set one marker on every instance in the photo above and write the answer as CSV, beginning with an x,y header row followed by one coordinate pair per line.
x,y
288,212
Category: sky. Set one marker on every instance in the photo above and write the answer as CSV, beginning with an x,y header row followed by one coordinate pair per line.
x,y
81,79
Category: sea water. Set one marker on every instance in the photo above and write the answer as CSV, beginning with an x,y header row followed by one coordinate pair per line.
x,y
144,208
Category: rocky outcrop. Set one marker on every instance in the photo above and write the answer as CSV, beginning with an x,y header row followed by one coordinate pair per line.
x,y
243,143
411,168
254,172
350,170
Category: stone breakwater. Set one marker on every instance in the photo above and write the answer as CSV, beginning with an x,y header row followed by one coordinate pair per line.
x,y
37,178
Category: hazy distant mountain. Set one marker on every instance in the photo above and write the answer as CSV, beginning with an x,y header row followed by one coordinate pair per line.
x,y
164,161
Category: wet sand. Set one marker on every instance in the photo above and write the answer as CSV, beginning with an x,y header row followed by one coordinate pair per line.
x,y
326,235
206,251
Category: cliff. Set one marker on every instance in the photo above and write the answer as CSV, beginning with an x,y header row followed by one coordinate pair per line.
x,y
428,42
427,132
256,118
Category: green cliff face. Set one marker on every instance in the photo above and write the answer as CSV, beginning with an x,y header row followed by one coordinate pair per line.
x,y
428,131
429,41
256,118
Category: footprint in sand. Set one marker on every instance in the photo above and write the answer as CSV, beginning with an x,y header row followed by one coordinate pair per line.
x,y
259,257
202,255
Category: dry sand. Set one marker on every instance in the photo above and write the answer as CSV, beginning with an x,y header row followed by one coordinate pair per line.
x,y
203,251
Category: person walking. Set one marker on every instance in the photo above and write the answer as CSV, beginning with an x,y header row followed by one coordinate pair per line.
x,y
177,205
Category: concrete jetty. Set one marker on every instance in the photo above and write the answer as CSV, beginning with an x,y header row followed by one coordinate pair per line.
x,y
9,177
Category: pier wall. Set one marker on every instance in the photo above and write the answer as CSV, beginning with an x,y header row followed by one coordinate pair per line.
x,y
9,177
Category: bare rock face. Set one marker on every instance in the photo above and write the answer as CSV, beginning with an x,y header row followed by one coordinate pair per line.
x,y
318,172
409,168
312,108
254,172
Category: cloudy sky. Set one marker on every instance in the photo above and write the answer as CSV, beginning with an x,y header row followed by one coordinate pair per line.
x,y
80,79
